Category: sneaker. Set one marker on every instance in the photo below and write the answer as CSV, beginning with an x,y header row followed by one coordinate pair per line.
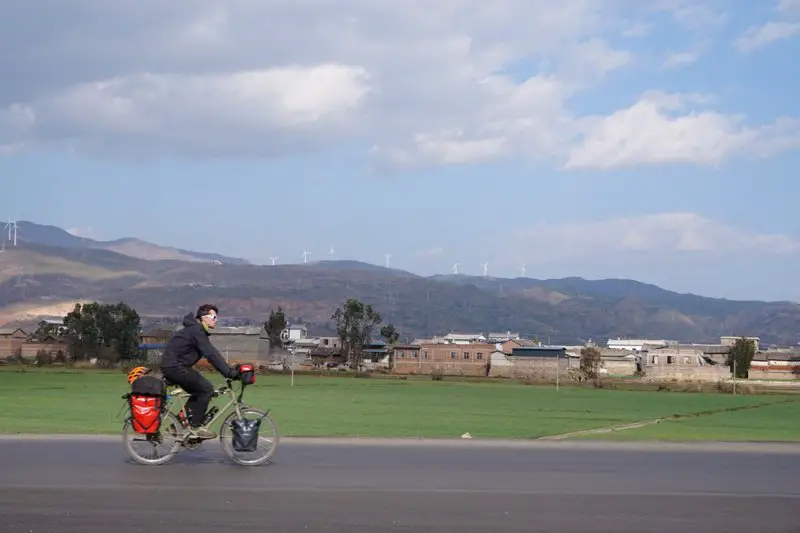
x,y
202,432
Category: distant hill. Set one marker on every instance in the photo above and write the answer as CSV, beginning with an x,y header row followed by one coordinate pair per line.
x,y
610,289
346,264
32,233
43,280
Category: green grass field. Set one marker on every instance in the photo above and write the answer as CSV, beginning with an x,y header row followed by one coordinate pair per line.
x,y
89,402
776,423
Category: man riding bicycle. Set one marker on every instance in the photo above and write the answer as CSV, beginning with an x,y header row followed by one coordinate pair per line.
x,y
183,351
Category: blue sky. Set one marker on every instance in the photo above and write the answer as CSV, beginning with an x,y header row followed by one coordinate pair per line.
x,y
655,142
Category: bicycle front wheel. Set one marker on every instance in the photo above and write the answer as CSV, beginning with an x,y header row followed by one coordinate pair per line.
x,y
268,438
158,448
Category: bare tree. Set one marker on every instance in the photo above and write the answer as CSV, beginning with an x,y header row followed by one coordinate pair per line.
x,y
590,362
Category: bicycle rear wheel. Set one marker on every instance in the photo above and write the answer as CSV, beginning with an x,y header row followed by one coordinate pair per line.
x,y
268,438
169,437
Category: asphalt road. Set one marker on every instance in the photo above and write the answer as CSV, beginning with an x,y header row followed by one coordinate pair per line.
x,y
85,486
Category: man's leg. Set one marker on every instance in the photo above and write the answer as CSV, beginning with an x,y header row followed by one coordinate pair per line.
x,y
201,391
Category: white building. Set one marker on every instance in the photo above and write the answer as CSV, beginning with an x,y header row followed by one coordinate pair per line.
x,y
636,345
502,337
453,338
463,338
729,340
297,332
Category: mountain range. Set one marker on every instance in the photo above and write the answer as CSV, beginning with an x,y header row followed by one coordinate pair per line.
x,y
32,233
50,269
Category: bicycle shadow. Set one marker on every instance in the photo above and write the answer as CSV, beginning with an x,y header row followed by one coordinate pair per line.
x,y
208,455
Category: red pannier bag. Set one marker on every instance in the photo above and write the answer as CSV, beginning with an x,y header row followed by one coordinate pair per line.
x,y
145,413
146,401
248,373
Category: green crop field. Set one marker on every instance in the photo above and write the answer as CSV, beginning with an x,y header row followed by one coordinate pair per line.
x,y
89,402
776,423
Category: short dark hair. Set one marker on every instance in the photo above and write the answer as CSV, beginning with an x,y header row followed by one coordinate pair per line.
x,y
204,309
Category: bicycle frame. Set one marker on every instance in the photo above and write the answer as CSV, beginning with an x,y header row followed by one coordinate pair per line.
x,y
177,396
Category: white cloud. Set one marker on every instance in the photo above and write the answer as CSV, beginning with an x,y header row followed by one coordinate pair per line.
x,y
667,233
760,36
785,26
650,132
637,29
699,18
593,59
16,124
680,59
496,129
192,110
452,82
789,6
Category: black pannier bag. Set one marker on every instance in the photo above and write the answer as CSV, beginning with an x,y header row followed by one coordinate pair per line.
x,y
149,386
245,434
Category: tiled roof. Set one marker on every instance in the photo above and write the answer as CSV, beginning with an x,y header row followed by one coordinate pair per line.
x,y
777,356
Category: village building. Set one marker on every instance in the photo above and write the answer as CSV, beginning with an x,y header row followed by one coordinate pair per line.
x,y
470,359
11,341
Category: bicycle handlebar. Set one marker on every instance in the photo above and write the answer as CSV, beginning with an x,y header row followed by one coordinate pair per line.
x,y
227,387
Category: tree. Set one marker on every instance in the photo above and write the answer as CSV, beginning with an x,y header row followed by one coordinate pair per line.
x,y
590,362
110,330
742,353
355,322
273,327
390,335
47,329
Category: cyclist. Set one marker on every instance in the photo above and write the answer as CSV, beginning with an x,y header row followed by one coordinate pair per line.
x,y
184,349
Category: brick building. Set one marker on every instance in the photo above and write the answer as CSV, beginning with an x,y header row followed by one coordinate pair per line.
x,y
531,361
451,359
11,340
777,364
241,343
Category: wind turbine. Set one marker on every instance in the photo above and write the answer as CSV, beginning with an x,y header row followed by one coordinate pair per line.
x,y
12,227
273,259
486,269
523,270
388,256
455,268
331,251
305,256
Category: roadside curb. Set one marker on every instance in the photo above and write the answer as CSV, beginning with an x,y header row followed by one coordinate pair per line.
x,y
529,444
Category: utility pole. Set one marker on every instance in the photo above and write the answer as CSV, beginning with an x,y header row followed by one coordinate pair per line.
x,y
558,368
285,340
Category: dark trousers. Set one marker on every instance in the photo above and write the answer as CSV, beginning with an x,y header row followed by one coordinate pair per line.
x,y
194,383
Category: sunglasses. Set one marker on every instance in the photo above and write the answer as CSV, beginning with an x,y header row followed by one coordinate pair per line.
x,y
212,317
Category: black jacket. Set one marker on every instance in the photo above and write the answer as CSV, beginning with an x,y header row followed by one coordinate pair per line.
x,y
189,345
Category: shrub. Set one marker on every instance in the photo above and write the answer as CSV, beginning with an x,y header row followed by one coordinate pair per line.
x,y
43,357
